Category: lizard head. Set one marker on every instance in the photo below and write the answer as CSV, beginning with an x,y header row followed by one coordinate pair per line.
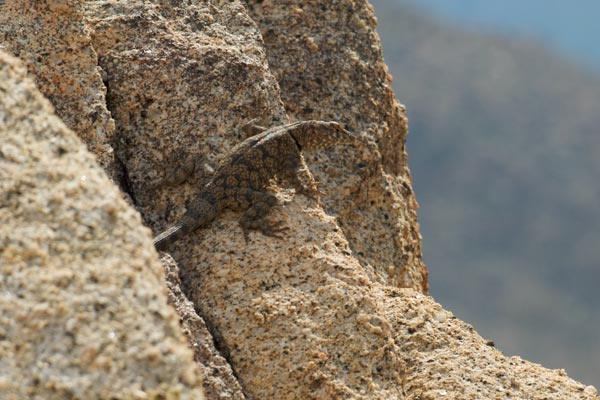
x,y
315,135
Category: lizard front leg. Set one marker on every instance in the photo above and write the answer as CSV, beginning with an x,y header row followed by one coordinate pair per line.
x,y
254,217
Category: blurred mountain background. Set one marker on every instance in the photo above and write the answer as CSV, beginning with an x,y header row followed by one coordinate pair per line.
x,y
503,100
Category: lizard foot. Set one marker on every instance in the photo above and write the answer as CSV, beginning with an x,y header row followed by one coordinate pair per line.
x,y
271,229
313,193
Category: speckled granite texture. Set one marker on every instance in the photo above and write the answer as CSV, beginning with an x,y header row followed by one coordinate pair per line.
x,y
83,307
53,39
219,379
327,59
336,309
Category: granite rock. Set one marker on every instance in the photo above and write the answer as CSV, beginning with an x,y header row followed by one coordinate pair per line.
x,y
327,59
336,309
83,306
219,380
53,40
183,78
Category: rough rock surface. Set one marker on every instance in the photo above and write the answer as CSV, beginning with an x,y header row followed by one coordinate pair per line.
x,y
54,42
320,314
83,308
219,380
327,59
301,319
182,80
447,359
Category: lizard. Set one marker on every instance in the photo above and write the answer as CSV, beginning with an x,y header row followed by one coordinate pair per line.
x,y
240,179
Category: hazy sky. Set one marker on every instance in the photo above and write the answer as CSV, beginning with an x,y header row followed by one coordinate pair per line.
x,y
568,26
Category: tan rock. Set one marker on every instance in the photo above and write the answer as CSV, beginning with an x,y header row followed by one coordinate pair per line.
x,y
447,359
296,316
83,310
327,59
219,380
321,313
51,37
183,80
301,319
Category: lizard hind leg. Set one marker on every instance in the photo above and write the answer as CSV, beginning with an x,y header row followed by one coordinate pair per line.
x,y
304,183
185,166
300,177
254,217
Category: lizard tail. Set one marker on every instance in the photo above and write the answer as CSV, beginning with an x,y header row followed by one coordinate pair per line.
x,y
200,213
167,237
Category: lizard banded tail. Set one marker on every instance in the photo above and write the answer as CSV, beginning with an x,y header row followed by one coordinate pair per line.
x,y
200,213
164,239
